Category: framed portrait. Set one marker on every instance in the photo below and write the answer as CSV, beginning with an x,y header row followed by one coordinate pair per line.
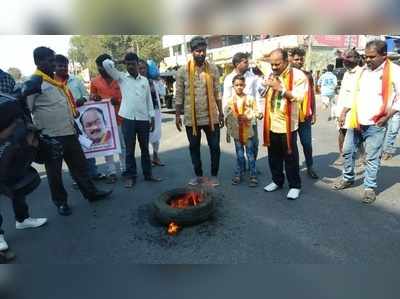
x,y
98,129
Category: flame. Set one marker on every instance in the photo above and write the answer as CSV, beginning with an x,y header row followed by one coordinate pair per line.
x,y
188,199
173,228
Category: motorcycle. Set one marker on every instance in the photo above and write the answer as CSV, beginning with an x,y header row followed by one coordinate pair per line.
x,y
21,143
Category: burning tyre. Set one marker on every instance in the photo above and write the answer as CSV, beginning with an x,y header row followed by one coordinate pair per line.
x,y
184,206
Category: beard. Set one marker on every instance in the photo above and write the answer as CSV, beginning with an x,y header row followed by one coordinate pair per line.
x,y
199,59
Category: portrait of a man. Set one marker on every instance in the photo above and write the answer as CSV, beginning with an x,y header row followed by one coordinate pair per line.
x,y
94,125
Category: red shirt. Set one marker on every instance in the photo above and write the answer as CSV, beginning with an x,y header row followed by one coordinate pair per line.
x,y
100,87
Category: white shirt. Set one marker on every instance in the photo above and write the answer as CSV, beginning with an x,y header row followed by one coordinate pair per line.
x,y
346,93
250,89
160,88
369,97
136,103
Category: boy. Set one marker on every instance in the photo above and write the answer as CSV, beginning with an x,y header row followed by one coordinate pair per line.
x,y
241,110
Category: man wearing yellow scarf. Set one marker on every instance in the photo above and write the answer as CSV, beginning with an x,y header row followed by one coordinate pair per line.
x,y
283,90
307,115
198,96
375,101
53,112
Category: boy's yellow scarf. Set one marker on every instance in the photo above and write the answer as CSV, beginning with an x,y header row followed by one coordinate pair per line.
x,y
244,124
269,97
386,94
64,88
191,67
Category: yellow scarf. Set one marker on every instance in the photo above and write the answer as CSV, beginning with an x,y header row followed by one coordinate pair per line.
x,y
305,109
210,93
386,93
244,124
63,87
269,97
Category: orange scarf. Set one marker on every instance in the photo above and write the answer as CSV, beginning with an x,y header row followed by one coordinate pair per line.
x,y
243,123
210,94
269,97
386,94
64,88
305,110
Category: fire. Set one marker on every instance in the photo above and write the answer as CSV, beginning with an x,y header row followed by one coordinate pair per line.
x,y
186,200
173,228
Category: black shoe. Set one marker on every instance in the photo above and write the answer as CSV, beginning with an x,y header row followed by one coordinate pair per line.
x,y
311,173
64,210
99,195
6,256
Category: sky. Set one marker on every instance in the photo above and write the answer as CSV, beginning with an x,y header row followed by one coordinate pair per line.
x,y
16,50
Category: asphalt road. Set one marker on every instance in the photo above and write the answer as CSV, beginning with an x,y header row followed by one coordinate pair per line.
x,y
249,226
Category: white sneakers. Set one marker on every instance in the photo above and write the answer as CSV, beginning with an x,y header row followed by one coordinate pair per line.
x,y
271,187
293,194
3,243
30,223
195,181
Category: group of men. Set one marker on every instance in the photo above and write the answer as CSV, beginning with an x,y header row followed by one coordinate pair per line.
x,y
368,96
283,98
54,112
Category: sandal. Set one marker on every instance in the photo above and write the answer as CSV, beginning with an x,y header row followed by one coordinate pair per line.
x,y
157,163
253,182
342,184
236,180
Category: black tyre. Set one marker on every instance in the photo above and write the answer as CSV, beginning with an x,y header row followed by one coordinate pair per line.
x,y
165,214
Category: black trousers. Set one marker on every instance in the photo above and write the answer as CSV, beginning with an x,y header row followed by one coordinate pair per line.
x,y
76,162
213,138
279,158
141,129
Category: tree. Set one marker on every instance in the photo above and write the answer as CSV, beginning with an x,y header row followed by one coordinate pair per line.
x,y
146,46
85,49
15,73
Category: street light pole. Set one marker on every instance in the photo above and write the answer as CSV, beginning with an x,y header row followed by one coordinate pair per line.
x,y
309,52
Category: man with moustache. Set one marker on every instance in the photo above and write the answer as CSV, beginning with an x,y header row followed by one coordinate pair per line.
x,y
53,112
95,127
283,89
198,96
375,101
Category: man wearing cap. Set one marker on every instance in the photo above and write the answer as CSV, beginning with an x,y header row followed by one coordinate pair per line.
x,y
197,95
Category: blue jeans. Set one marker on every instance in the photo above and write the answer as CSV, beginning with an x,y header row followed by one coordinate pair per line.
x,y
393,130
373,136
306,141
241,161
